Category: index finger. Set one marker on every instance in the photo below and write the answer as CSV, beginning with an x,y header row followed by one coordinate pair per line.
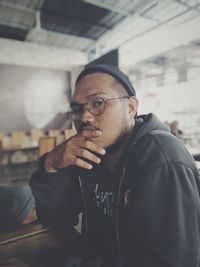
x,y
90,133
93,147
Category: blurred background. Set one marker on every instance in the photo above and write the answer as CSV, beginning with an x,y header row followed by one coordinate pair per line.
x,y
45,43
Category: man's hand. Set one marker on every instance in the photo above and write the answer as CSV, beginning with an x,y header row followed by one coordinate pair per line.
x,y
77,151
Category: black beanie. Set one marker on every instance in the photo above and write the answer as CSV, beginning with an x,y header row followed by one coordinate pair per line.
x,y
111,70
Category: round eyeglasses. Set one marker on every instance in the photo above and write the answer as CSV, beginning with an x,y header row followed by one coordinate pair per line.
x,y
96,106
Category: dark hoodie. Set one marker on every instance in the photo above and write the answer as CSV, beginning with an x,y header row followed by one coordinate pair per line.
x,y
156,203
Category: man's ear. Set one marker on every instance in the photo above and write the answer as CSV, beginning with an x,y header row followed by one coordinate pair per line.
x,y
132,106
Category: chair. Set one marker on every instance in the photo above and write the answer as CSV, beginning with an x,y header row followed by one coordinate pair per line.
x,y
2,135
196,157
69,133
46,144
17,139
56,133
1,151
35,137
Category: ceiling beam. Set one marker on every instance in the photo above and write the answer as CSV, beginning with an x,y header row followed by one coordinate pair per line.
x,y
195,7
108,43
14,25
158,41
38,55
16,6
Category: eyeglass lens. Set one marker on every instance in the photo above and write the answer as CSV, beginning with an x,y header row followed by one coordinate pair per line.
x,y
95,106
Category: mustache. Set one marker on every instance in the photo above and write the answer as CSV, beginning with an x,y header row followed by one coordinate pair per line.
x,y
84,126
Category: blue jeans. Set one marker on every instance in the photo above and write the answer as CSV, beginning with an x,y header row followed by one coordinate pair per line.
x,y
16,202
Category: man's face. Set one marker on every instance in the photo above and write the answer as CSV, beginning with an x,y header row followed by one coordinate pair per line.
x,y
116,118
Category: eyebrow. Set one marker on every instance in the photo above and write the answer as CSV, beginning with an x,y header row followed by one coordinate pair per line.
x,y
96,94
99,93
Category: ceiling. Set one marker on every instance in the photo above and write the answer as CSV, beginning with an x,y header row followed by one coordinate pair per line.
x,y
64,23
169,29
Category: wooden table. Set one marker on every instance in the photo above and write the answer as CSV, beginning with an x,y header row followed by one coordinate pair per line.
x,y
37,246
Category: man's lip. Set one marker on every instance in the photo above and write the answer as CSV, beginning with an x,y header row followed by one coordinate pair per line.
x,y
88,128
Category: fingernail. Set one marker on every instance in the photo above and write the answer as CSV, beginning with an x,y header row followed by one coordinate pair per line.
x,y
103,152
98,132
89,166
98,160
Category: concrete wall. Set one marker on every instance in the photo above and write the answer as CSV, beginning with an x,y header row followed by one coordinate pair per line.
x,y
37,82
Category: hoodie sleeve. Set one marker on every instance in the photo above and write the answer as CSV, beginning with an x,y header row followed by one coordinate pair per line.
x,y
57,196
165,218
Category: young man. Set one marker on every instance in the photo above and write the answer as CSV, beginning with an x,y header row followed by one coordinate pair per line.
x,y
135,182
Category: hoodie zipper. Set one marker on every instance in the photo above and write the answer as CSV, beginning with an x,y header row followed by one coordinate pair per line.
x,y
84,205
117,209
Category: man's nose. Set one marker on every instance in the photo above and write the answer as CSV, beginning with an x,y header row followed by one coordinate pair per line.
x,y
87,116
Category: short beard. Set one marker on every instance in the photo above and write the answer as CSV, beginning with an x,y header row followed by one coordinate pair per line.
x,y
121,139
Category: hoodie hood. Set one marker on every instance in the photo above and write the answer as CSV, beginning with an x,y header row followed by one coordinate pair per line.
x,y
148,123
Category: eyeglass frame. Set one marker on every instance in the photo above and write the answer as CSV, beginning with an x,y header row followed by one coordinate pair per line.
x,y
88,107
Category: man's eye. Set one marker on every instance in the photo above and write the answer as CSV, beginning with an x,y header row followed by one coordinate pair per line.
x,y
97,103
